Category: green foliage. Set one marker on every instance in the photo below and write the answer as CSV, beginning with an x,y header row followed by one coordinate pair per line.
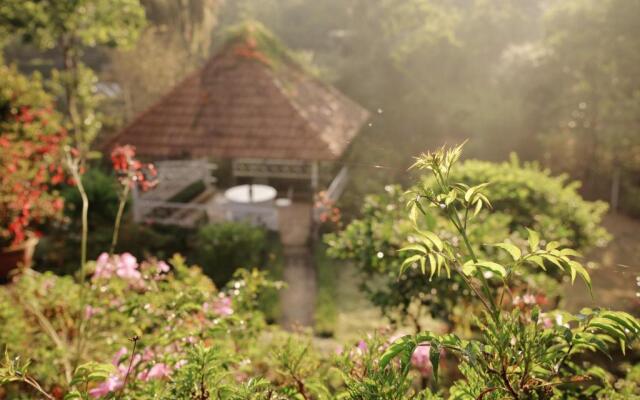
x,y
90,22
58,249
41,309
624,388
517,353
367,378
523,195
222,248
261,40
71,27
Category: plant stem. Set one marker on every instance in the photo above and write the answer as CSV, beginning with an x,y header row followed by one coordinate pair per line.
x,y
126,377
85,230
116,227
456,222
34,384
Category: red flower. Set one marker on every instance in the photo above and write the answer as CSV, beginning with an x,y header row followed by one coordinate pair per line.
x,y
131,171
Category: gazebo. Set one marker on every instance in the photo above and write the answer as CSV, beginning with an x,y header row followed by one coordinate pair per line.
x,y
257,113
267,123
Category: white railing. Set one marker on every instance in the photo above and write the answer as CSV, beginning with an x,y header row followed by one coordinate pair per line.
x,y
339,183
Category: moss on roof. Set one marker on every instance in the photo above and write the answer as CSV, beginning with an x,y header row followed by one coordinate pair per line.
x,y
251,39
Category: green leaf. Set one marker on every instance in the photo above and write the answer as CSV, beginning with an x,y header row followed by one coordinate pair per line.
x,y
409,261
433,265
469,269
537,260
434,357
512,249
478,208
469,194
393,350
433,238
570,252
414,213
493,267
552,245
577,267
414,247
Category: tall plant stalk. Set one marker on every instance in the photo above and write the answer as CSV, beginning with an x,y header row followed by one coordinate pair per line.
x,y
116,227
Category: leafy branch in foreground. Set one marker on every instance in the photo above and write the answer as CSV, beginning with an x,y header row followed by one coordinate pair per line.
x,y
520,352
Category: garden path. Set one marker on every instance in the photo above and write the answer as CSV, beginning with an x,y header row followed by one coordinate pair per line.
x,y
616,282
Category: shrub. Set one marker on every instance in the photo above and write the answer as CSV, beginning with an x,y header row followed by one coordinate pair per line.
x,y
222,248
519,351
59,249
59,324
31,152
525,195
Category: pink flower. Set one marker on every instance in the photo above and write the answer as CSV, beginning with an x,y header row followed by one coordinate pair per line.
x,y
158,371
118,356
148,354
420,359
116,380
163,267
127,267
222,306
113,383
104,269
362,346
89,312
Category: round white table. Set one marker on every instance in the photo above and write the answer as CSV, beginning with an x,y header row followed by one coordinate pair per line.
x,y
246,194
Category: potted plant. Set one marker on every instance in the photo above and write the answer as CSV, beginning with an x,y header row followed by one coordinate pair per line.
x,y
31,143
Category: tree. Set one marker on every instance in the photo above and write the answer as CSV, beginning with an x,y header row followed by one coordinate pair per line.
x,y
177,40
591,71
70,27
428,70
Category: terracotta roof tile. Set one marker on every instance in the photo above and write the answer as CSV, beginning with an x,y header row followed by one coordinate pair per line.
x,y
238,107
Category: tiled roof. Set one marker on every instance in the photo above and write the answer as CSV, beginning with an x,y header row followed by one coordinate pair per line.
x,y
240,106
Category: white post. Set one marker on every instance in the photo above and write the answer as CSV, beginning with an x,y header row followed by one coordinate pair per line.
x,y
314,176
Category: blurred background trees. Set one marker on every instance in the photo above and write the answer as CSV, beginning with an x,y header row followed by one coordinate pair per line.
x,y
555,81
